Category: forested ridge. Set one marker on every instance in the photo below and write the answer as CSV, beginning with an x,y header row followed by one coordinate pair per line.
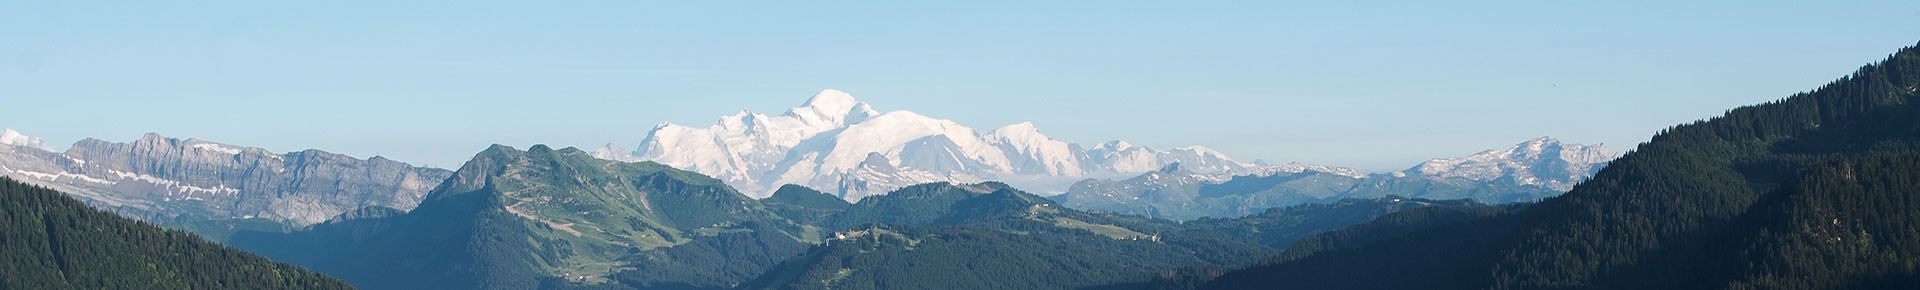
x,y
928,236
1814,191
553,219
1280,227
52,241
992,236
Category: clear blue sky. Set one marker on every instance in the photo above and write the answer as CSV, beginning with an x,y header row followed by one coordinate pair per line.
x,y
1372,85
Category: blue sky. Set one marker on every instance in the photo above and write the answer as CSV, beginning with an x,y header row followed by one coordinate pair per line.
x,y
1372,85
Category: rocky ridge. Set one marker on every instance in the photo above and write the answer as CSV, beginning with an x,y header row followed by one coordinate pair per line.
x,y
163,179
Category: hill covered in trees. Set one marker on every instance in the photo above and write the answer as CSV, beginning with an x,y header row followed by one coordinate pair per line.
x,y
1814,191
547,218
52,241
991,236
1280,227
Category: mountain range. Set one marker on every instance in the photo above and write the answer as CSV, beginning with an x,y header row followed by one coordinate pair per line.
x,y
845,147
561,219
1813,191
177,182
1543,162
1531,170
214,189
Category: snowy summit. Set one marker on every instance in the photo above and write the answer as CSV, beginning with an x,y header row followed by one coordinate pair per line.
x,y
837,144
1541,161
11,137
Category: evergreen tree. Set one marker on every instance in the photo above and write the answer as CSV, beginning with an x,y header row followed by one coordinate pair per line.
x,y
51,241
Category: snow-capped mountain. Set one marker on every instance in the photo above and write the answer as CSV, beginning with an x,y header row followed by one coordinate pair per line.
x,y
158,179
1541,161
839,145
10,137
1534,169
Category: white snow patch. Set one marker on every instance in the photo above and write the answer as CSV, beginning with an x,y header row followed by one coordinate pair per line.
x,y
217,148
57,176
173,186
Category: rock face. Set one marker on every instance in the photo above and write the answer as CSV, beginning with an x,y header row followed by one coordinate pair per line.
x,y
847,148
162,179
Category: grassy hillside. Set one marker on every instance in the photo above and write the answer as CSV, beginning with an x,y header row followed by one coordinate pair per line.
x,y
545,218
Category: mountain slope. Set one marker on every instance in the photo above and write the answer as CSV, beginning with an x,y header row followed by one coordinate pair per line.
x,y
831,142
1307,230
51,241
804,205
970,257
175,183
938,204
1814,191
991,236
1279,227
513,219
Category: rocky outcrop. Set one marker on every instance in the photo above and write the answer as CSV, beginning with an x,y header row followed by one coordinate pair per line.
x,y
165,180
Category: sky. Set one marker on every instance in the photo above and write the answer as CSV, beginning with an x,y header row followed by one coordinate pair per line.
x,y
1374,85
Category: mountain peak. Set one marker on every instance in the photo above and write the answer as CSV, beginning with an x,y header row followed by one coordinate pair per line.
x,y
1536,144
832,103
1023,131
831,108
613,152
1019,127
832,134
153,136
1543,161
831,98
11,137
1204,151
1115,145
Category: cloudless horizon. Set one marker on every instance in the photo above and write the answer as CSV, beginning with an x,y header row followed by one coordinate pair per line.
x,y
1374,86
